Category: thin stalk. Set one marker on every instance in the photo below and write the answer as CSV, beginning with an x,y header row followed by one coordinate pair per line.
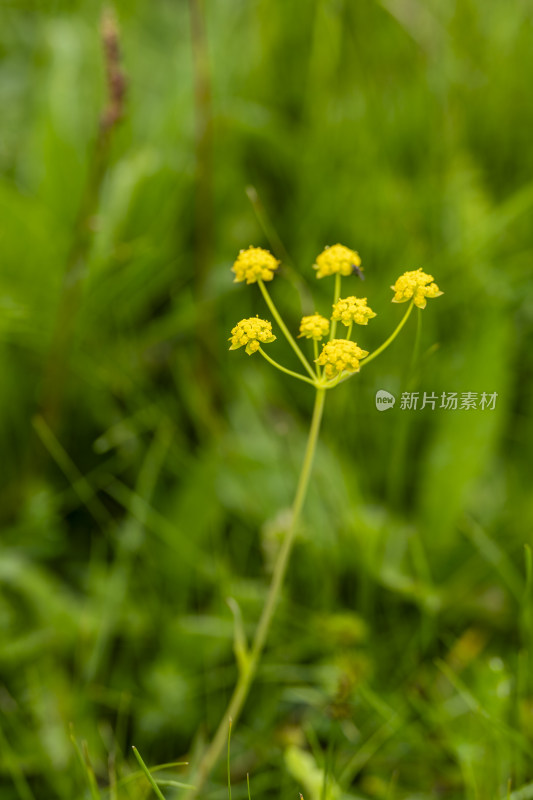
x,y
342,378
247,676
284,369
319,370
391,338
277,317
338,379
149,777
336,295
350,326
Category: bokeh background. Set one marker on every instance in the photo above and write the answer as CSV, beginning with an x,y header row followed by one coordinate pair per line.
x,y
147,472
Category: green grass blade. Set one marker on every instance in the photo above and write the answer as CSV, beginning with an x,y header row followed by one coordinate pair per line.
x,y
149,777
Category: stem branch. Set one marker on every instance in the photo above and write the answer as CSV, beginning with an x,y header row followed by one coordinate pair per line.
x,y
277,317
377,352
391,338
284,369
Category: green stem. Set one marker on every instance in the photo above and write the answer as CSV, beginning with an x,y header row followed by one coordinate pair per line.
x,y
277,317
315,355
247,676
386,343
336,295
284,369
350,326
391,338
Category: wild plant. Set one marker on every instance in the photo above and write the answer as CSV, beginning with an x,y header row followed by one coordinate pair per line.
x,y
338,361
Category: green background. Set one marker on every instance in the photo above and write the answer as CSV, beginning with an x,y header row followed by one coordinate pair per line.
x,y
400,655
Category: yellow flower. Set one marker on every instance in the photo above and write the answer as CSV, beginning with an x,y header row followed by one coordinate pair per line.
x,y
314,327
340,355
352,309
254,264
417,285
251,332
336,259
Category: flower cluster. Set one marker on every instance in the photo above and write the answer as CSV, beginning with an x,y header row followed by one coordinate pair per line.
x,y
352,309
252,332
415,284
340,355
337,259
314,327
255,264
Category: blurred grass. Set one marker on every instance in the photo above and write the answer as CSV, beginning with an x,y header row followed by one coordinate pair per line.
x,y
402,129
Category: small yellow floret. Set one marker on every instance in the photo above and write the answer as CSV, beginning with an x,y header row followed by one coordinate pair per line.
x,y
340,355
254,264
314,327
352,309
417,285
252,332
336,259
